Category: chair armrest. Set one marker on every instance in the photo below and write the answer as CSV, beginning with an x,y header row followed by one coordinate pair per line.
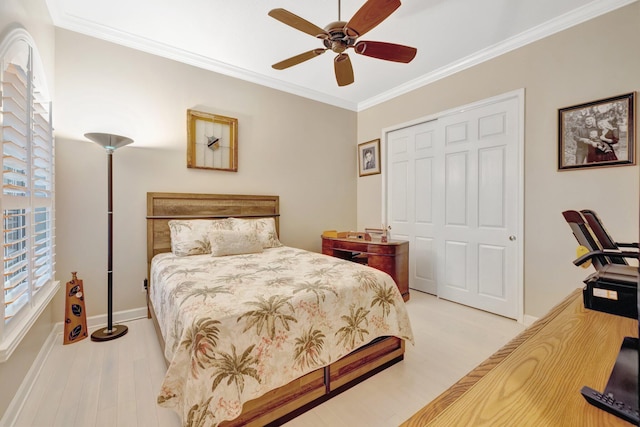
x,y
627,245
610,253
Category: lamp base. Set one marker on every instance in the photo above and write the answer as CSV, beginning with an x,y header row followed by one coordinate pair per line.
x,y
104,335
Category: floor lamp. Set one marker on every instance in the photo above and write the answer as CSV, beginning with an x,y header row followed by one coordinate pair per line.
x,y
110,143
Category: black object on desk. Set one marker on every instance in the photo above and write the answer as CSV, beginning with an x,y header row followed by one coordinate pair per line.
x,y
620,396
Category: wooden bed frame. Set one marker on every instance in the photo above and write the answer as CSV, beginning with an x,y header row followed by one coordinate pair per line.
x,y
286,402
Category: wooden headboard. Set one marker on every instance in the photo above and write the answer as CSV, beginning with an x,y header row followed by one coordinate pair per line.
x,y
162,207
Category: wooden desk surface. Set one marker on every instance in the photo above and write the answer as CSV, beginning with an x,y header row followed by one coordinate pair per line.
x,y
535,380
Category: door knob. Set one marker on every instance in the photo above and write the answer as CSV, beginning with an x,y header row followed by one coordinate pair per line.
x,y
512,238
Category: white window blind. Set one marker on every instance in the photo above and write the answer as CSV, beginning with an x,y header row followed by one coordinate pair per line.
x,y
27,183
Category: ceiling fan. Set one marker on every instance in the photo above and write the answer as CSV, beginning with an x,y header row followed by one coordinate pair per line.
x,y
339,36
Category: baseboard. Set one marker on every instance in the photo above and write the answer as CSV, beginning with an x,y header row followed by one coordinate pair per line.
x,y
13,410
529,320
96,322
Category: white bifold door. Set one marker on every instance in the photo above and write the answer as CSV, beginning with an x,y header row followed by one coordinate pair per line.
x,y
453,188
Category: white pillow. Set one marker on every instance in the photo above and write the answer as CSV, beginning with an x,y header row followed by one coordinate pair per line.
x,y
230,242
191,237
264,227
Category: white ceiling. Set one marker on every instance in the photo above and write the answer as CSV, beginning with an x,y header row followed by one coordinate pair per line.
x,y
238,38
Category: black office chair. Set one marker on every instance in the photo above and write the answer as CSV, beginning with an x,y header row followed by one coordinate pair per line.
x,y
604,238
613,286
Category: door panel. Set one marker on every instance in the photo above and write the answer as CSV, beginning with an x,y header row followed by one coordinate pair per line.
x,y
491,177
456,189
424,249
424,199
455,262
491,281
400,212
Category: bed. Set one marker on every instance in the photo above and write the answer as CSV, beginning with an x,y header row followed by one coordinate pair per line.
x,y
258,332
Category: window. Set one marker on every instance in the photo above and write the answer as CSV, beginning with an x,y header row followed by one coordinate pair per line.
x,y
27,199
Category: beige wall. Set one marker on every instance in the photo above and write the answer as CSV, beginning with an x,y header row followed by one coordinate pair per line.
x,y
298,149
33,16
595,60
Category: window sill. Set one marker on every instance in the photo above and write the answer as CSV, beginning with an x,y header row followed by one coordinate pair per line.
x,y
13,339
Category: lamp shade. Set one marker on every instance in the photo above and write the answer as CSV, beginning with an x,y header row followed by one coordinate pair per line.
x,y
108,140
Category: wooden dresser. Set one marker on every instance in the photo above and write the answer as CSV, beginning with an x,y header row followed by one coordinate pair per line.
x,y
391,257
535,380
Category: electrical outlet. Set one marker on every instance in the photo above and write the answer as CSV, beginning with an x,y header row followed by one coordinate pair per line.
x,y
144,286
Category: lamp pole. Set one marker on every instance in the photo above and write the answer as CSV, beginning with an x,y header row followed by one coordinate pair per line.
x,y
110,142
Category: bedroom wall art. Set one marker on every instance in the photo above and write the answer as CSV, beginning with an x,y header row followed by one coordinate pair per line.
x,y
597,134
369,158
212,141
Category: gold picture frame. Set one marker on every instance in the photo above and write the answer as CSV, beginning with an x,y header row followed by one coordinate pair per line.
x,y
212,141
369,158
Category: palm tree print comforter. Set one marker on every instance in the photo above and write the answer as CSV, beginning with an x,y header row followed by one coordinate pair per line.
x,y
238,326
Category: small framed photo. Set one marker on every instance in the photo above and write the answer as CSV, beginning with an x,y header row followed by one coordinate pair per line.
x,y
597,134
369,157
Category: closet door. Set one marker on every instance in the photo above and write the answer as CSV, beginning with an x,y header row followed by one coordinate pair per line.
x,y
453,191
478,242
412,215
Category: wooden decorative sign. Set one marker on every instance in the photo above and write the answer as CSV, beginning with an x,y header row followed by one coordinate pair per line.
x,y
75,317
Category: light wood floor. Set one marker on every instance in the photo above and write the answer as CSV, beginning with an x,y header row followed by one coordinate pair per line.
x,y
115,383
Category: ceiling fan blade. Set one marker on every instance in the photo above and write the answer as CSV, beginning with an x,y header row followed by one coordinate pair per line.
x,y
295,60
343,69
369,15
298,23
387,51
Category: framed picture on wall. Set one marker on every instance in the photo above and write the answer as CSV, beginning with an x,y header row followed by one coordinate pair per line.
x,y
597,134
212,141
369,157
